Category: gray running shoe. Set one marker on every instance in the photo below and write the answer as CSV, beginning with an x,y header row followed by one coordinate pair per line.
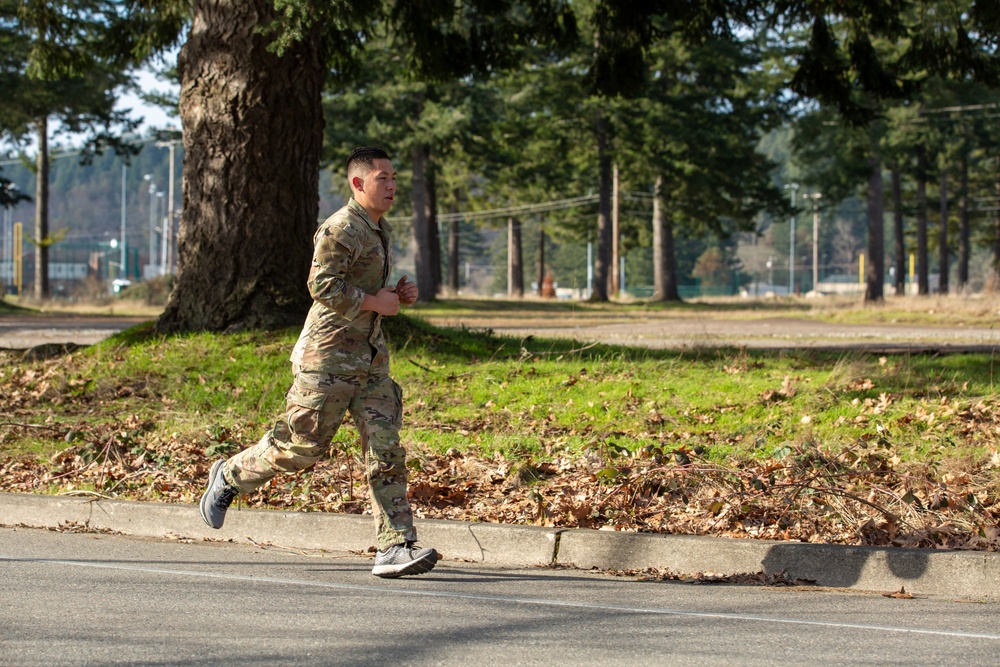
x,y
403,559
217,497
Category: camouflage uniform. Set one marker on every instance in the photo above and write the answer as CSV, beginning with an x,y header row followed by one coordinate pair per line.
x,y
341,363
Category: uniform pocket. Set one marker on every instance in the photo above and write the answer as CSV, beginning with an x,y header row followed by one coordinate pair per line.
x,y
309,399
303,413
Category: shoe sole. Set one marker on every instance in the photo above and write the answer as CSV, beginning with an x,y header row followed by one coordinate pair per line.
x,y
203,505
421,565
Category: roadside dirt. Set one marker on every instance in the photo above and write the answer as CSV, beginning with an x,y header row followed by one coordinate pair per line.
x,y
769,332
656,331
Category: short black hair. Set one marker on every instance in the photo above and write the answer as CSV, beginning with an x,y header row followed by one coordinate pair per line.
x,y
363,158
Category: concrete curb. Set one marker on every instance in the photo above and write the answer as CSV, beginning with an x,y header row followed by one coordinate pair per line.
x,y
475,542
957,574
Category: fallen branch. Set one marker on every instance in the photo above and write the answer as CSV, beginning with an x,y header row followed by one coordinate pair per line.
x,y
421,367
42,427
81,492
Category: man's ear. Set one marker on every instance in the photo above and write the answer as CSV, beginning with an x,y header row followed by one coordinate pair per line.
x,y
357,184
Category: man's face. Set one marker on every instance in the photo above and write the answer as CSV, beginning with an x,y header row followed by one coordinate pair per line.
x,y
378,188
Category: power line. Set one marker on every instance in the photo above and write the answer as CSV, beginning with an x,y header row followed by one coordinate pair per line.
x,y
524,209
56,156
527,209
961,108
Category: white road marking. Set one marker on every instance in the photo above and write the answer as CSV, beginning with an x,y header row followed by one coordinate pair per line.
x,y
510,600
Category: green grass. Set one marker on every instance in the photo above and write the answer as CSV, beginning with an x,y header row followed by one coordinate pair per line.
x,y
531,398
729,402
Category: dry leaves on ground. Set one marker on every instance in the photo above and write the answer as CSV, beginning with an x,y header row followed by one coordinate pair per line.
x,y
860,496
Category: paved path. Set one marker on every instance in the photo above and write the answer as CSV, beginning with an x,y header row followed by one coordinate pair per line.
x,y
687,331
82,599
21,332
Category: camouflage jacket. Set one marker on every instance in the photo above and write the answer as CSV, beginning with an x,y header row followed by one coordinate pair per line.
x,y
352,257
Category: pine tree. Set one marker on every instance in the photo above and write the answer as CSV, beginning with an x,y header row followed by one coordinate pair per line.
x,y
57,78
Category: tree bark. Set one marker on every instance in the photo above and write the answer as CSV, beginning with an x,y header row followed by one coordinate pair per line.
x,y
602,269
964,246
541,258
454,253
426,288
615,235
943,263
515,259
433,233
875,269
664,258
453,257
898,237
253,128
42,211
923,282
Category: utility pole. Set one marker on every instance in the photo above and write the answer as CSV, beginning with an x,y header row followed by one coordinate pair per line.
x,y
791,242
152,225
159,217
815,196
121,233
168,228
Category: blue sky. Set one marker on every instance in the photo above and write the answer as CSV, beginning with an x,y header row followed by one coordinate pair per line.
x,y
153,116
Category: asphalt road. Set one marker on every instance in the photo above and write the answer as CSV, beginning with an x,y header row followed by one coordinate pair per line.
x,y
87,599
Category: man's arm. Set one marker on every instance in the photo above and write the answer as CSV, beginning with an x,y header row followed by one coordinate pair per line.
x,y
389,299
385,302
337,248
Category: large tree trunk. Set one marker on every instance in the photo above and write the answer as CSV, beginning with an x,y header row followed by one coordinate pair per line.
x,y
923,282
245,238
875,270
943,263
899,242
964,247
664,259
515,259
422,255
42,211
602,268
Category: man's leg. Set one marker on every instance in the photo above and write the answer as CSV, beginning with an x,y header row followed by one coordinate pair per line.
x,y
378,413
315,407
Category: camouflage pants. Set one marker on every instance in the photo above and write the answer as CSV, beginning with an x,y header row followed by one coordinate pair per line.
x,y
315,408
